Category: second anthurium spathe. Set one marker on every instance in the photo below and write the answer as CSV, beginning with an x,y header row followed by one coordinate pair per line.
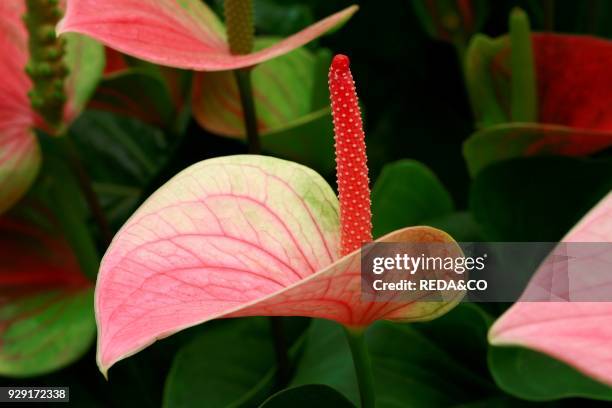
x,y
180,33
576,332
251,235
538,94
37,75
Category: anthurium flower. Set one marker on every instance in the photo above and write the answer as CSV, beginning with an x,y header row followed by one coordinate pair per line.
x,y
47,319
19,150
577,333
250,235
536,94
178,33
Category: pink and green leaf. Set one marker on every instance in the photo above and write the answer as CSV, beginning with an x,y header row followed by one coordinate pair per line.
x,y
293,123
85,59
283,89
19,152
235,236
178,33
47,319
19,163
576,333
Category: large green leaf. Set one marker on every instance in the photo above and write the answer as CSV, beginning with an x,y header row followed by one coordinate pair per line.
x,y
419,366
416,365
460,225
138,93
122,156
308,396
534,376
327,360
407,193
230,365
537,199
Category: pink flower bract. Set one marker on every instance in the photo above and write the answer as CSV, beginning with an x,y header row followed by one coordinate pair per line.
x,y
577,333
19,151
250,235
182,34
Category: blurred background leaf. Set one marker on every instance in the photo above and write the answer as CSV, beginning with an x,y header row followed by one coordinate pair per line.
x,y
534,376
537,199
306,396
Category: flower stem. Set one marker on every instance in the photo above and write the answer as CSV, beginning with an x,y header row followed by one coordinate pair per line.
x,y
363,368
85,184
243,79
277,327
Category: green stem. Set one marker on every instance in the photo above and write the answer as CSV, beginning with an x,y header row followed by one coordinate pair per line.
x,y
85,184
243,79
363,368
277,327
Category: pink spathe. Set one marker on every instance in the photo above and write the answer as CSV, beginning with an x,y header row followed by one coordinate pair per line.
x,y
184,34
577,333
249,235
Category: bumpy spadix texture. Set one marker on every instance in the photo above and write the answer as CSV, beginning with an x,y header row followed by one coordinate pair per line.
x,y
351,161
177,33
578,333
